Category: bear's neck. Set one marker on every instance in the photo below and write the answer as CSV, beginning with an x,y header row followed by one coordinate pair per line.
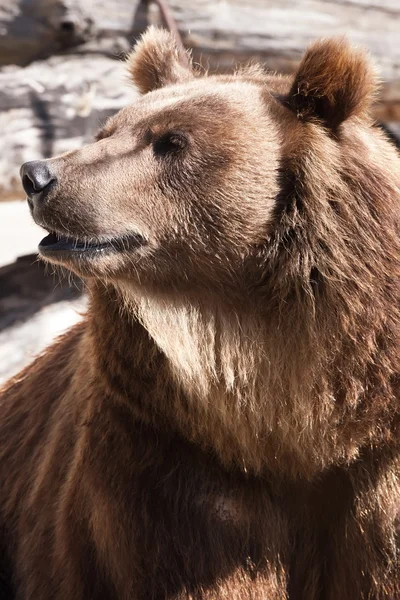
x,y
258,394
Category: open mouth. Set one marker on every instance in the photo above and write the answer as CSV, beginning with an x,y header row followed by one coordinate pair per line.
x,y
55,243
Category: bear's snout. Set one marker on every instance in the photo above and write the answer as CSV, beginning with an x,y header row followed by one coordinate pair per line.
x,y
37,180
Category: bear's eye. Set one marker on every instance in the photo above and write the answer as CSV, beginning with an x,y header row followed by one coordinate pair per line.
x,y
170,143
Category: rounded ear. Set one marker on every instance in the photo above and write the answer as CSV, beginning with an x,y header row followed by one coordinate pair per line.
x,y
157,61
334,82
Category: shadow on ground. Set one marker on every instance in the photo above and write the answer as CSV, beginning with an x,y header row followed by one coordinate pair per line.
x,y
26,288
35,307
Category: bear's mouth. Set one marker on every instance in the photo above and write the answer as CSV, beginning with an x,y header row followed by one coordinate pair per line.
x,y
56,244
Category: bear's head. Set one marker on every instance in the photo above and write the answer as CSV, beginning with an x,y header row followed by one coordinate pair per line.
x,y
251,221
184,187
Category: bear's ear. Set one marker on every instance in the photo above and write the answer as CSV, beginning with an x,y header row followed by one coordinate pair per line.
x,y
334,82
157,61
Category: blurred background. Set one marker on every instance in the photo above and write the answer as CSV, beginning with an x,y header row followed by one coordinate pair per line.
x,y
61,75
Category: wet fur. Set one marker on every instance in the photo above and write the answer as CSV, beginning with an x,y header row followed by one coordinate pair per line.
x,y
232,432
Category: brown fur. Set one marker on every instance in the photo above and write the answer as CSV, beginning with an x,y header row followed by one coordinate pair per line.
x,y
333,83
224,423
154,65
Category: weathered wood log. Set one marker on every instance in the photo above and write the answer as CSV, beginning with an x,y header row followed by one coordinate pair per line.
x,y
276,33
38,29
53,106
224,31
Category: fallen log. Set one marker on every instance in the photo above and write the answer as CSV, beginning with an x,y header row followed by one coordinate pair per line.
x,y
53,106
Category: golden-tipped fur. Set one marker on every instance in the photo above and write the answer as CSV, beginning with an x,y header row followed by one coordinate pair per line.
x,y
334,82
224,423
156,62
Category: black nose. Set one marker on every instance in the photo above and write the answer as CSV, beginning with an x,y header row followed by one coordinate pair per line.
x,y
36,179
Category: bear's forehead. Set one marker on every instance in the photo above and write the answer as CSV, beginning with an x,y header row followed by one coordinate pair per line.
x,y
202,101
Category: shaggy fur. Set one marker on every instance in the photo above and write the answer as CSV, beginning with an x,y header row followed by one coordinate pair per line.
x,y
224,423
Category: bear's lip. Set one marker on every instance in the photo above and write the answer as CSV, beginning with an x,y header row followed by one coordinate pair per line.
x,y
55,243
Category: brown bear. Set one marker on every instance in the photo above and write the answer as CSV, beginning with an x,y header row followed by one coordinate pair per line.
x,y
224,423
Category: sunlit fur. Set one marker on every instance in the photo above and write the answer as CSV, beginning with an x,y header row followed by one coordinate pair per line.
x,y
224,423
